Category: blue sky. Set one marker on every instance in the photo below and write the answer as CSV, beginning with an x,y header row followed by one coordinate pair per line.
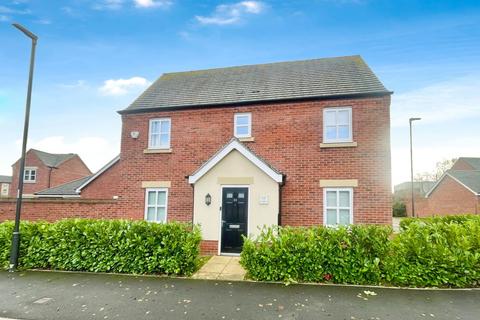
x,y
95,56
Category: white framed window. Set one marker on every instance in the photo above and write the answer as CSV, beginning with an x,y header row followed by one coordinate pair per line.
x,y
337,125
30,175
159,133
242,125
337,206
4,190
156,203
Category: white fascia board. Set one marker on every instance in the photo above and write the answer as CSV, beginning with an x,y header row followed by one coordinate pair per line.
x,y
235,144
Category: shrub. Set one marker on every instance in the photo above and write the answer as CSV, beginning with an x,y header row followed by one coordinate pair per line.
x,y
399,209
436,254
440,252
343,255
105,246
404,223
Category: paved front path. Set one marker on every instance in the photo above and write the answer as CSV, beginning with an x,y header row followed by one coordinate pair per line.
x,y
49,295
221,268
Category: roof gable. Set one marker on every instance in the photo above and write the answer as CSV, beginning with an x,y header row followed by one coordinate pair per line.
x,y
317,78
235,144
470,179
52,159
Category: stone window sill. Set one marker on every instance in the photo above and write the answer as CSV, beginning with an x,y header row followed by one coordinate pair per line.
x,y
338,145
247,139
157,151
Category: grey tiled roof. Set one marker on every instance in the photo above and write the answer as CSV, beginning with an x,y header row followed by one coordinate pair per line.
x,y
53,159
317,78
64,189
5,179
474,162
470,178
420,187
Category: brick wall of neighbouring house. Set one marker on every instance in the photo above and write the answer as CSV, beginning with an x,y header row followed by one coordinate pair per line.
x,y
72,169
450,198
51,209
67,171
287,135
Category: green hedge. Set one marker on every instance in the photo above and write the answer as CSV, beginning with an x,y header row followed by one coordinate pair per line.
x,y
105,246
317,254
435,254
404,223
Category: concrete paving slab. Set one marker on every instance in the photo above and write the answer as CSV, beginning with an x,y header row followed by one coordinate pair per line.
x,y
221,267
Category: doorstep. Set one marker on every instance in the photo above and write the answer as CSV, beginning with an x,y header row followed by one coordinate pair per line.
x,y
221,268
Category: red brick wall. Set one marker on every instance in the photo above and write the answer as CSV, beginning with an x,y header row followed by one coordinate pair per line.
x,y
67,171
287,135
451,198
53,209
72,169
106,185
209,247
41,183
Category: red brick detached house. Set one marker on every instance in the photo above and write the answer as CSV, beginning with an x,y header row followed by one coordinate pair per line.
x,y
235,149
45,170
456,192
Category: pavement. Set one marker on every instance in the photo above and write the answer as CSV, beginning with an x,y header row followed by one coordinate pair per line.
x,y
61,295
221,268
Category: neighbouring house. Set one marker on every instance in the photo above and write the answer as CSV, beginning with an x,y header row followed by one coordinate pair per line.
x,y
456,192
45,170
234,149
5,182
402,193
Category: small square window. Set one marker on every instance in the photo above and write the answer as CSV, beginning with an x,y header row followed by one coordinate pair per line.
x,y
243,125
338,208
337,125
30,175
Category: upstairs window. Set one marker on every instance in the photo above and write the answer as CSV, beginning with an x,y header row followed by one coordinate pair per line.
x,y
337,206
243,125
30,175
159,134
337,125
156,205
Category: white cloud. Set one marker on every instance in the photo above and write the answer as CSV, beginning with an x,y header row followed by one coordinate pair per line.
x,y
225,14
117,87
94,151
4,18
76,85
152,3
454,99
108,4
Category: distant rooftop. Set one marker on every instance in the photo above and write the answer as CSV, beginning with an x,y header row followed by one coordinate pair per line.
x,y
67,189
53,159
5,179
317,78
474,162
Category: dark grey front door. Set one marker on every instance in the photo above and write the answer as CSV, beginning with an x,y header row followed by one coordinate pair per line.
x,y
234,218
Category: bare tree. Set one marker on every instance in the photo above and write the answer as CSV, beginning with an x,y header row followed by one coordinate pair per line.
x,y
440,169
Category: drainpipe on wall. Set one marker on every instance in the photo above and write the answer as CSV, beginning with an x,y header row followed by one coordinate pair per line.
x,y
280,200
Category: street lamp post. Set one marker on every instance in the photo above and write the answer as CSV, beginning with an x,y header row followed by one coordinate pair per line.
x,y
411,164
16,231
